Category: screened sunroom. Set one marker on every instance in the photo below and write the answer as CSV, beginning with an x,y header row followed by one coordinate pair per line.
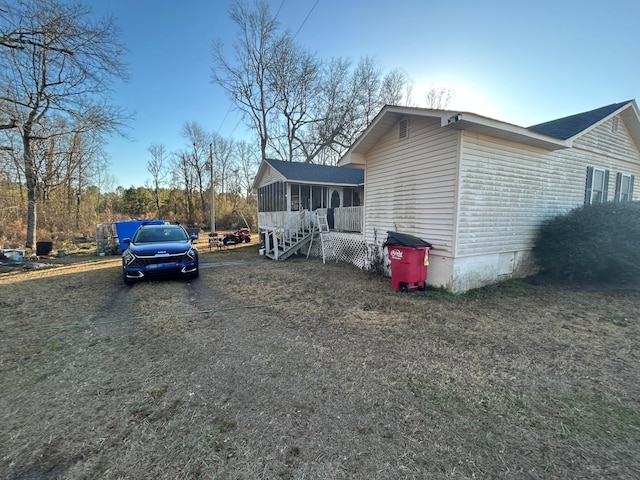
x,y
289,191
291,196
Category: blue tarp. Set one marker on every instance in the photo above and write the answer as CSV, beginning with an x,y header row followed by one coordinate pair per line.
x,y
127,229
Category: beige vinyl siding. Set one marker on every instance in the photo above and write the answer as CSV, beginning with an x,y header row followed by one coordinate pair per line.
x,y
604,140
508,189
270,175
410,184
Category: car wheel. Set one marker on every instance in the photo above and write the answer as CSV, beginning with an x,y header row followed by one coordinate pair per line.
x,y
247,239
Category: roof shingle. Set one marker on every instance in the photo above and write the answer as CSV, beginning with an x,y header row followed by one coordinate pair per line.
x,y
567,127
311,173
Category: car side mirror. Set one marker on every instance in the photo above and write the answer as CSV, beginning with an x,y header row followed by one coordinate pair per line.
x,y
193,238
126,241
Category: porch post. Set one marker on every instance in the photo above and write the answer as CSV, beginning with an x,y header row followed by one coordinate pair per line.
x,y
267,242
275,244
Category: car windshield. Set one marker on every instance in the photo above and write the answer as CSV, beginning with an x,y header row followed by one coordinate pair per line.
x,y
160,234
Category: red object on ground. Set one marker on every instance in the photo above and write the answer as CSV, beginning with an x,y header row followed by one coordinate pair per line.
x,y
408,267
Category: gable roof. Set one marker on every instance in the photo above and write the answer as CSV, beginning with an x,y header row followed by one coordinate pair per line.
x,y
390,115
568,127
313,174
554,135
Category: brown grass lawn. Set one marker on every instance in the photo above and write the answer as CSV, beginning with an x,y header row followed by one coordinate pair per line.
x,y
282,370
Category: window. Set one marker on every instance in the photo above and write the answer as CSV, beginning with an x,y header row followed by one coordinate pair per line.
x,y
597,186
624,187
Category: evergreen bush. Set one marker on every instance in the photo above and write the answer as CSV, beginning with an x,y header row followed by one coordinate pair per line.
x,y
592,243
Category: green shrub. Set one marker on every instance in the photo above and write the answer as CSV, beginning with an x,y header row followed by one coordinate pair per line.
x,y
592,243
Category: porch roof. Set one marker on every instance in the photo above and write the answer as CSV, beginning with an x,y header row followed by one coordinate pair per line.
x,y
313,174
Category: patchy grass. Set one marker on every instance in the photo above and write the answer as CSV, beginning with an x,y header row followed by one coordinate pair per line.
x,y
296,369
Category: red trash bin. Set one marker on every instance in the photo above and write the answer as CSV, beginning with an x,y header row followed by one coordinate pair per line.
x,y
408,267
409,258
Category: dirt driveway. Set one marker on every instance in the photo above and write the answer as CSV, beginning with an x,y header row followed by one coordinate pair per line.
x,y
266,370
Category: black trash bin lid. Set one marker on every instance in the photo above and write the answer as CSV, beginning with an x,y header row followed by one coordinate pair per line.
x,y
403,240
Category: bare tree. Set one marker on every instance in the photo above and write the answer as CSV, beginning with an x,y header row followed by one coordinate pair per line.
x,y
394,89
183,178
439,98
301,107
157,167
58,62
248,161
246,80
335,112
103,180
368,85
222,150
295,79
199,161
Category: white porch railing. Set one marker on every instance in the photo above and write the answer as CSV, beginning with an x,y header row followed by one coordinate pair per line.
x,y
278,238
274,219
345,219
348,219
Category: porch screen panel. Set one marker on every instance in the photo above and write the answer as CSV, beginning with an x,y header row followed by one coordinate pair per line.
x,y
280,197
295,197
305,196
347,196
317,198
300,197
271,198
356,197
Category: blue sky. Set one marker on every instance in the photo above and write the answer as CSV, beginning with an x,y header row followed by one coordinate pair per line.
x,y
518,62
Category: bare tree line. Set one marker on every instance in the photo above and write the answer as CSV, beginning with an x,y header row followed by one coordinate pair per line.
x,y
211,161
58,65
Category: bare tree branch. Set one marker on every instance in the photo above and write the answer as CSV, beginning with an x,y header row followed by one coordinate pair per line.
x,y
58,62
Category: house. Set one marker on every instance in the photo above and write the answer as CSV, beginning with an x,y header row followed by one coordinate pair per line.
x,y
474,187
477,188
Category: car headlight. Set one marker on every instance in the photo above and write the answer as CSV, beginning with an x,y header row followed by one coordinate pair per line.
x,y
128,258
192,253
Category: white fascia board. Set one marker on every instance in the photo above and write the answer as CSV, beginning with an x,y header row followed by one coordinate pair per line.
x,y
507,131
352,158
631,117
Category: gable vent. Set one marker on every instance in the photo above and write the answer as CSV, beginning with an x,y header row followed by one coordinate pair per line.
x,y
403,128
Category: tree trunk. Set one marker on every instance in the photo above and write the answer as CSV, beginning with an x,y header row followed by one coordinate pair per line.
x,y
31,181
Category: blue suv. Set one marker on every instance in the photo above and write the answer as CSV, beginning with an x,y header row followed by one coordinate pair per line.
x,y
159,250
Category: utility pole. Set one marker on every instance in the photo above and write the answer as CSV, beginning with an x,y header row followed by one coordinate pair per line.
x,y
213,193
